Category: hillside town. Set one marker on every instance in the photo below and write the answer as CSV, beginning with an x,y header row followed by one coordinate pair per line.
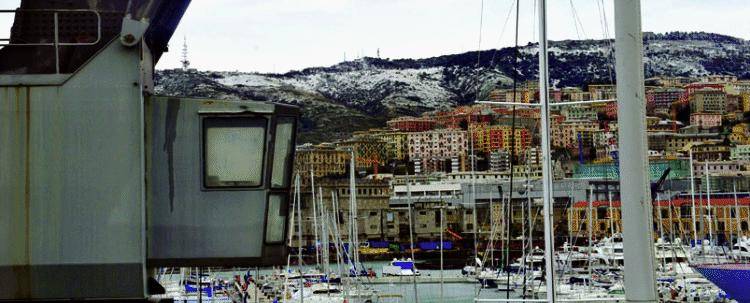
x,y
471,168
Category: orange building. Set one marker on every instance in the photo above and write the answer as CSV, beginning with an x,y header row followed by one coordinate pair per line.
x,y
412,124
488,138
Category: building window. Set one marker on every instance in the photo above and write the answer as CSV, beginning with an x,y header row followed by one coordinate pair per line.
x,y
233,151
602,213
685,211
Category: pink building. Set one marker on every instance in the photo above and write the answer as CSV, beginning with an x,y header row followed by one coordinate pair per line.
x,y
705,120
433,148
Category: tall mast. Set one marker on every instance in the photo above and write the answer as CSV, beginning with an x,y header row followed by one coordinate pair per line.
x,y
635,191
315,215
353,245
325,255
708,205
736,211
692,196
549,244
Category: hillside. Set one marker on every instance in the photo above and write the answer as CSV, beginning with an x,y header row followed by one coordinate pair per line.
x,y
364,93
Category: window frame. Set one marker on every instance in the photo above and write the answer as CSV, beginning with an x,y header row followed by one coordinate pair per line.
x,y
264,158
292,153
283,209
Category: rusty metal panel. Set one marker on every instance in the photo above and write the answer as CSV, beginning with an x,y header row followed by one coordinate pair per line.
x,y
71,163
14,241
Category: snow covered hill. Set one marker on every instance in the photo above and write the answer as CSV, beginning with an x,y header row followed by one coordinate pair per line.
x,y
364,93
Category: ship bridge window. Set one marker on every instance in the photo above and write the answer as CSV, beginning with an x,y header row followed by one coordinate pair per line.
x,y
233,151
282,155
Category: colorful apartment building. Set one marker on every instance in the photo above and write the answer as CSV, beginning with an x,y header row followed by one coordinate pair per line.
x,y
370,152
568,133
740,153
663,97
740,134
488,138
396,146
464,116
372,208
708,100
691,88
580,112
728,217
716,168
710,151
741,87
682,142
705,120
412,124
602,91
674,81
718,79
324,160
431,148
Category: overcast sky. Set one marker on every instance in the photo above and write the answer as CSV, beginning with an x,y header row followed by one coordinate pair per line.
x,y
282,35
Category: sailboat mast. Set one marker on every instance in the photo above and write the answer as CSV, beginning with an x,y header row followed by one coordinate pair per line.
x,y
549,244
315,215
692,196
635,191
353,214
708,205
299,242
736,210
590,230
325,255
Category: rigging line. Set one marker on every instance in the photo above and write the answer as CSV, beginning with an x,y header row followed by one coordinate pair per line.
x,y
479,43
512,143
533,21
578,19
605,33
575,25
471,139
502,32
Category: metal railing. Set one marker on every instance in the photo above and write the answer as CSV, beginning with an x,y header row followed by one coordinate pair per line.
x,y
56,32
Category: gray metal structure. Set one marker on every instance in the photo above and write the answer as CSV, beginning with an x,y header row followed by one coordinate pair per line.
x,y
635,187
100,180
191,223
547,181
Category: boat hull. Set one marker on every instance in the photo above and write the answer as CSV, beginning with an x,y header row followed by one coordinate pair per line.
x,y
732,278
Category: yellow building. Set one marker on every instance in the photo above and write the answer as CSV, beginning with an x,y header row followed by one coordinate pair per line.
x,y
488,138
745,102
323,159
740,134
565,134
708,100
675,217
370,152
395,143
